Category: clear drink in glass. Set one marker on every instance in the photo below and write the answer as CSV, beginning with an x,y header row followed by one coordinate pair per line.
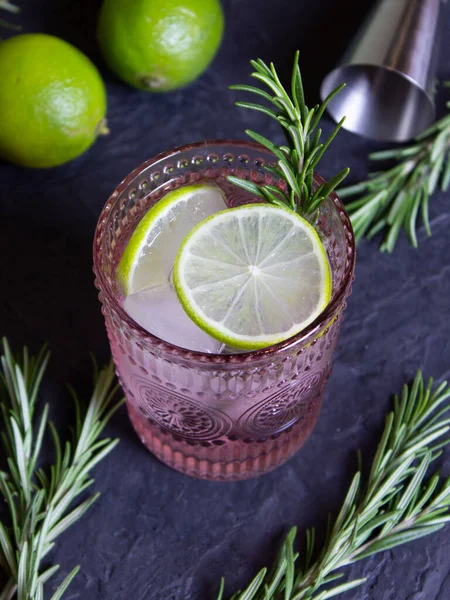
x,y
202,408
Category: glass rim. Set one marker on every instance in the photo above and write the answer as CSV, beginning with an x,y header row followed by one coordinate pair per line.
x,y
303,338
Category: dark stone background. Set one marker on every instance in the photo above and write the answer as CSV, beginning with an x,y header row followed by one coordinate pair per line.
x,y
155,534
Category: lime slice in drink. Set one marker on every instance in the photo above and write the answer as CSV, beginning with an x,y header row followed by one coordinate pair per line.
x,y
150,254
253,276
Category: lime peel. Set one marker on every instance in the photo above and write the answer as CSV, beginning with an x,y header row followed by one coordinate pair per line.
x,y
160,45
55,94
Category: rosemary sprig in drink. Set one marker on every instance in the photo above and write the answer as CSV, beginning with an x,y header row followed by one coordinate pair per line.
x,y
396,505
298,159
391,200
40,501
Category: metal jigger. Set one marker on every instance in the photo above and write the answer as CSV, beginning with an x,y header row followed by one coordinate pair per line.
x,y
389,70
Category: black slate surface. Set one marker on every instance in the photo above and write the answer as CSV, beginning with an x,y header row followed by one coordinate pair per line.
x,y
155,534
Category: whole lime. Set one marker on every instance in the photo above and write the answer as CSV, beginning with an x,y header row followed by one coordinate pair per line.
x,y
52,101
159,45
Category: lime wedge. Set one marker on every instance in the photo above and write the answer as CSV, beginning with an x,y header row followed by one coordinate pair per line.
x,y
253,276
150,254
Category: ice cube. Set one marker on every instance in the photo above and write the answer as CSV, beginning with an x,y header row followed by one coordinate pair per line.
x,y
159,311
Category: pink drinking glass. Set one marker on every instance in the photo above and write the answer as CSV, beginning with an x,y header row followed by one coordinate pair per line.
x,y
218,416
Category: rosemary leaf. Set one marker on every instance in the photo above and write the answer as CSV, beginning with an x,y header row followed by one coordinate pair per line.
x,y
394,506
41,503
407,187
297,160
12,9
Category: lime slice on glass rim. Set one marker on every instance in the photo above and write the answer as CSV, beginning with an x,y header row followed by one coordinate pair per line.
x,y
253,276
148,258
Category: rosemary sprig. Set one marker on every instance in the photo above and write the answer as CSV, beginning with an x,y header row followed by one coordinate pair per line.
x,y
11,8
396,505
39,500
298,159
391,199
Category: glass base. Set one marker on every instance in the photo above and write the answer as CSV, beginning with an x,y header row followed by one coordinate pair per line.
x,y
228,459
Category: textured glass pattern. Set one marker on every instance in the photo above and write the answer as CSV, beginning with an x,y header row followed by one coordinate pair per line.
x,y
229,416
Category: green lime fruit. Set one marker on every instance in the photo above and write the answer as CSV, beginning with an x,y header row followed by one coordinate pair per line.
x,y
159,45
253,276
52,101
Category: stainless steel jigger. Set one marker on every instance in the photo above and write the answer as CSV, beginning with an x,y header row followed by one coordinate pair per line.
x,y
389,70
